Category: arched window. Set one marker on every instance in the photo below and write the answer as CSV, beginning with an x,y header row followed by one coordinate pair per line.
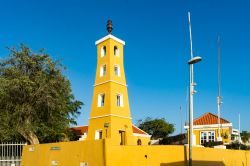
x,y
103,70
98,134
103,51
116,51
139,142
117,70
101,99
119,100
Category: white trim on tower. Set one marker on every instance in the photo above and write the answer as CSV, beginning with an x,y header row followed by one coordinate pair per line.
x,y
110,81
126,117
110,37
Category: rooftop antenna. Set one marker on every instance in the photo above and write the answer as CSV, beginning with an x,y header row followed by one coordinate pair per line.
x,y
181,119
219,97
187,106
239,132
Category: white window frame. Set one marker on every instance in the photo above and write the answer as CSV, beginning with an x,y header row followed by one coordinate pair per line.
x,y
98,135
116,51
102,71
120,103
207,136
101,97
118,70
103,51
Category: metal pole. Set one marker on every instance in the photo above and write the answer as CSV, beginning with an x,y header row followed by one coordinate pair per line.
x,y
219,97
190,95
190,36
181,119
187,106
239,131
190,117
219,135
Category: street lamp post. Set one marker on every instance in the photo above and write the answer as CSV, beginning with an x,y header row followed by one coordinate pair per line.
x,y
106,125
191,106
192,84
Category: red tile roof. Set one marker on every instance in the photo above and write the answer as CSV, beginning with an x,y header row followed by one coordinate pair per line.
x,y
209,118
80,130
138,131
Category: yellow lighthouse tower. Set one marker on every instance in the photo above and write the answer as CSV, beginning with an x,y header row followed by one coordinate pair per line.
x,y
110,114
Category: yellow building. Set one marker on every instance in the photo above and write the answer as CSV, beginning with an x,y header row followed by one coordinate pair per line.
x,y
82,133
206,129
110,126
110,116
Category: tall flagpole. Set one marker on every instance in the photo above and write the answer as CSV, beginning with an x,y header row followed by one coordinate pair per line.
x,y
181,119
192,84
239,131
190,95
219,97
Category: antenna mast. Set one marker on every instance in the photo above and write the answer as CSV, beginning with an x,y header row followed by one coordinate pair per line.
x,y
239,132
181,118
219,97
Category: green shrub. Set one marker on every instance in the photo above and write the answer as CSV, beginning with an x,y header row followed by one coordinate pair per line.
x,y
212,144
237,146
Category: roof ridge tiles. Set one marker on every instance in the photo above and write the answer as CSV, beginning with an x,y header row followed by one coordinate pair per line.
x,y
209,118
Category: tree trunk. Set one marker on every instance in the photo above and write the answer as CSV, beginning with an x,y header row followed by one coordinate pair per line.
x,y
30,137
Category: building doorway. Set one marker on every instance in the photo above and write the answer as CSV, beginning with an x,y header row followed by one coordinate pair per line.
x,y
122,137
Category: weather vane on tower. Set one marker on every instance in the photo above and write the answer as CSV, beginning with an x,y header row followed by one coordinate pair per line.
x,y
109,26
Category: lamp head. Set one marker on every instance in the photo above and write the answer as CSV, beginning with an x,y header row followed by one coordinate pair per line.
x,y
194,60
106,125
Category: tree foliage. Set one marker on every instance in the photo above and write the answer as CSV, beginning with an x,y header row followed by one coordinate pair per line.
x,y
237,146
173,140
36,101
245,136
158,128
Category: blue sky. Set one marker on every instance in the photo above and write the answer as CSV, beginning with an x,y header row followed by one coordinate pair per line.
x,y
156,51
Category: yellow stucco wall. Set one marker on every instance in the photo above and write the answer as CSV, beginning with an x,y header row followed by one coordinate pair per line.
x,y
144,155
172,155
103,153
65,154
144,140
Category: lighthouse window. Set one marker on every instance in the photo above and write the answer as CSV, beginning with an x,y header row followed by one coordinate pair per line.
x,y
119,100
116,51
98,134
101,99
103,51
117,70
103,70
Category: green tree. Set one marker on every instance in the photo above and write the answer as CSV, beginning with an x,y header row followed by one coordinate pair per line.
x,y
36,101
158,128
245,136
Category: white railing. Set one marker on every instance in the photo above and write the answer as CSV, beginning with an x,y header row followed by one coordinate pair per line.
x,y
10,153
